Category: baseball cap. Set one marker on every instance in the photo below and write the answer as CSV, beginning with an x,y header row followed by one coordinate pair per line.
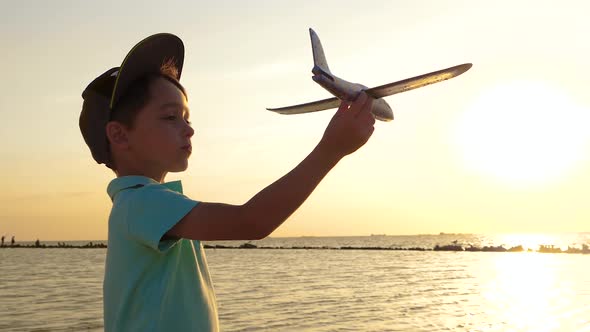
x,y
103,93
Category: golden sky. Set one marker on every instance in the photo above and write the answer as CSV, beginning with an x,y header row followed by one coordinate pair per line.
x,y
503,148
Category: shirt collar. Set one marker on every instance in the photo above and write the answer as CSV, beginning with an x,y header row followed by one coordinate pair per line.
x,y
125,182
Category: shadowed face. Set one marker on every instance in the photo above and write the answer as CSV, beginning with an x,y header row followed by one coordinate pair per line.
x,y
160,140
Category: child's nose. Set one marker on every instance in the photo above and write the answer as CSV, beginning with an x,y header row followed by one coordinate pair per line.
x,y
189,131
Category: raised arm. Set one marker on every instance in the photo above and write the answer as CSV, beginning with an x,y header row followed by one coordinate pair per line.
x,y
350,128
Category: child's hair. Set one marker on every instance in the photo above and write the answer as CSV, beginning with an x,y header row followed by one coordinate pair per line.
x,y
137,94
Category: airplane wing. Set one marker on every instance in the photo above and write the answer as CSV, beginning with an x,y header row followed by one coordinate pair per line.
x,y
380,91
417,82
315,106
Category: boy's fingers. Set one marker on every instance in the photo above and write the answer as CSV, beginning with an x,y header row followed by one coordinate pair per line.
x,y
369,117
365,107
358,103
359,109
344,105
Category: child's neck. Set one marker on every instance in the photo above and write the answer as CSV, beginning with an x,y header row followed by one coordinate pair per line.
x,y
126,171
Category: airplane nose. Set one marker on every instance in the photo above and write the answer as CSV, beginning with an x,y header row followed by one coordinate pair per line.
x,y
382,111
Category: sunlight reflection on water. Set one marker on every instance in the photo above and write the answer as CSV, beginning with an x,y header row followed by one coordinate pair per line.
x,y
536,292
323,290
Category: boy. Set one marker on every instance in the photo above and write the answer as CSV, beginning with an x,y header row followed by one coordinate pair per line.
x,y
135,120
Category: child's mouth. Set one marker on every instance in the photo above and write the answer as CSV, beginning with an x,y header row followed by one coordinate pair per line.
x,y
187,148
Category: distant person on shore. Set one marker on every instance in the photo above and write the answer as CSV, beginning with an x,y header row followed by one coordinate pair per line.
x,y
135,120
12,241
2,241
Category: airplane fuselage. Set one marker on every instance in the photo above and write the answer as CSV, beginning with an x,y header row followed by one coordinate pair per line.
x,y
348,91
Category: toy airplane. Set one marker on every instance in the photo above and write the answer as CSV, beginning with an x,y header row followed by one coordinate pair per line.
x,y
343,90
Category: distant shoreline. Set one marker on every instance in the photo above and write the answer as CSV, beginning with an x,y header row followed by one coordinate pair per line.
x,y
452,247
60,245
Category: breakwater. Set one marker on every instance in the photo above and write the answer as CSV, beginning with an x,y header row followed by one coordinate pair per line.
x,y
451,247
59,245
585,249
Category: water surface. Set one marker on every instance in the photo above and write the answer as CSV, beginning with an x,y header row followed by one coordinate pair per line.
x,y
324,290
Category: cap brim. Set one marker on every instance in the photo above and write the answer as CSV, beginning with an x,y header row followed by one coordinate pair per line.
x,y
147,57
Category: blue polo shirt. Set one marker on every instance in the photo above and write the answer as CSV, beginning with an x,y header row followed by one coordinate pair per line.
x,y
150,284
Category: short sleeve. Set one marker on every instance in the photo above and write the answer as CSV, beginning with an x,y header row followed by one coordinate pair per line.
x,y
153,211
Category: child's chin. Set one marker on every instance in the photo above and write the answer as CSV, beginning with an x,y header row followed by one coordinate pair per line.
x,y
179,168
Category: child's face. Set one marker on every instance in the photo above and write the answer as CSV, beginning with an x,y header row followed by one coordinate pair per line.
x,y
161,136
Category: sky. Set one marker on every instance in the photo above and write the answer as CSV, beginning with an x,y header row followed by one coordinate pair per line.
x,y
503,148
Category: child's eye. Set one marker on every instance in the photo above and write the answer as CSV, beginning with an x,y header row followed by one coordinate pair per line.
x,y
170,117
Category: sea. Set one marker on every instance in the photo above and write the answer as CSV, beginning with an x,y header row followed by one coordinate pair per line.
x,y
363,283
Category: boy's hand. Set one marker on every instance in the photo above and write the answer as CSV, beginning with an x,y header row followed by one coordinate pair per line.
x,y
350,128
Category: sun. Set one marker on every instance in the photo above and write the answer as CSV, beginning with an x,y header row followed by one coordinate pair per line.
x,y
523,133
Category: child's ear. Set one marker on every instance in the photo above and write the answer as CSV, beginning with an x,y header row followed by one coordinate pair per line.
x,y
117,134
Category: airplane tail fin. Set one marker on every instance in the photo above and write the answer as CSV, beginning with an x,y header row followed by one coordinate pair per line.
x,y
319,59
